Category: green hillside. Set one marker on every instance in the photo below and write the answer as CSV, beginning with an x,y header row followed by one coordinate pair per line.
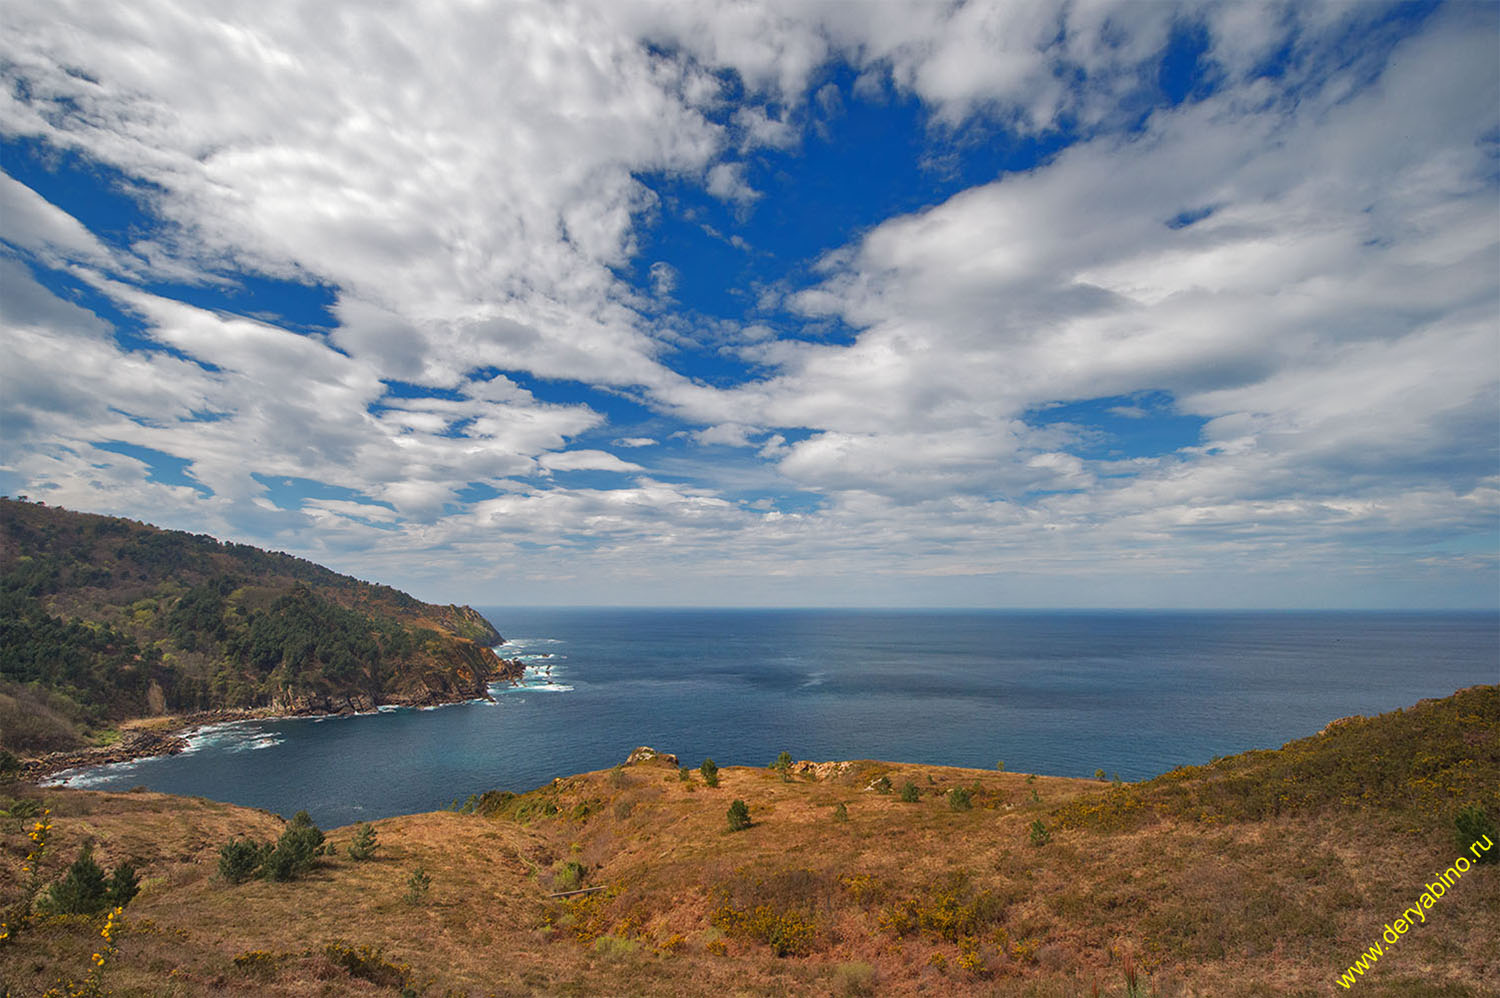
x,y
104,619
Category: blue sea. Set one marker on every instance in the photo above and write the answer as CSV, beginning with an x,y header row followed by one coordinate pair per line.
x,y
1132,693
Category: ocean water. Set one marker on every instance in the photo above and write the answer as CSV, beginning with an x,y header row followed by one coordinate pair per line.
x,y
1055,693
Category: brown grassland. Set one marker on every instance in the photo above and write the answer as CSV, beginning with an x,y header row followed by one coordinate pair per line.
x,y
1264,874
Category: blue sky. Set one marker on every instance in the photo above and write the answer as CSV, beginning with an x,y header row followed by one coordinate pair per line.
x,y
967,304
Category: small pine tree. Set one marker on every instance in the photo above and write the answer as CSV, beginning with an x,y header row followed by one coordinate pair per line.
x,y
710,771
909,793
739,816
783,765
883,785
362,846
1039,834
296,851
124,885
1099,775
417,886
960,799
841,812
10,766
83,890
240,859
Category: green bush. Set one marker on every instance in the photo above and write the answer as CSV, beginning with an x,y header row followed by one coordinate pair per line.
x,y
83,890
569,877
124,885
960,799
240,859
882,785
739,816
10,766
296,851
841,812
362,847
1039,834
783,765
1471,825
710,771
909,793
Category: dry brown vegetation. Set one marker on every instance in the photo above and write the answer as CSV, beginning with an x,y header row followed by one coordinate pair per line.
x,y
1207,881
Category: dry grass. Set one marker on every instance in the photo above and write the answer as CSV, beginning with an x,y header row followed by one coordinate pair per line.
x,y
900,899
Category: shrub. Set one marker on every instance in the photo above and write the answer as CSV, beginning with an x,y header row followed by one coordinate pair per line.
x,y
240,859
25,807
368,963
841,813
710,772
1473,824
909,793
10,766
1099,775
362,847
1000,765
296,851
684,774
417,886
788,933
739,816
569,876
124,885
959,799
882,785
1039,834
83,890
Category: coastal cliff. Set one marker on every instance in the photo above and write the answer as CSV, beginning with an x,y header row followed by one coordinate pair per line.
x,y
104,620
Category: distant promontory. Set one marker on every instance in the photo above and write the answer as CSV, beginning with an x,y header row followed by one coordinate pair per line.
x,y
105,621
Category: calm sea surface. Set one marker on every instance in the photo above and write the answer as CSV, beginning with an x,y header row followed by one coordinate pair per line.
x,y
1058,693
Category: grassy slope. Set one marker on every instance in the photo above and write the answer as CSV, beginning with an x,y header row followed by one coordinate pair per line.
x,y
1264,874
133,582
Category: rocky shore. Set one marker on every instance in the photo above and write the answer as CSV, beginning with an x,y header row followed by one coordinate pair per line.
x,y
146,738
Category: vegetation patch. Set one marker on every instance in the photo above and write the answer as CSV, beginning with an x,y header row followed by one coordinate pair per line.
x,y
368,963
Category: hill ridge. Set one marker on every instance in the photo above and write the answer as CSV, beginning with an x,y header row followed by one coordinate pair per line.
x,y
104,620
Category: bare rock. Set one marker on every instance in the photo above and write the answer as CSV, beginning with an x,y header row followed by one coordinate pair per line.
x,y
648,754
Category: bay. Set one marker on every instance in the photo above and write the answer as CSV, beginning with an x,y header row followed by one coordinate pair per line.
x,y
1133,693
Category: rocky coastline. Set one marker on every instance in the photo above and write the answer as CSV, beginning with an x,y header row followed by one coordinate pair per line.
x,y
146,738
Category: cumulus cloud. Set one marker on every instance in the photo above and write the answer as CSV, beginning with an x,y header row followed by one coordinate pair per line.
x,y
1304,263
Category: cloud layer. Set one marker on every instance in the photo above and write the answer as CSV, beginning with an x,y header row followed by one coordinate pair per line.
x,y
1294,250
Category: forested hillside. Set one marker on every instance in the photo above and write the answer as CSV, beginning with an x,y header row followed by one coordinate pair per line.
x,y
103,619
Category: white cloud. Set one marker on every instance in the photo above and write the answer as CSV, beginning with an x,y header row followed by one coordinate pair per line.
x,y
586,460
464,177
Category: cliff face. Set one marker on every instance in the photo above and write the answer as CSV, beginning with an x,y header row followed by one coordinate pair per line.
x,y
103,619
